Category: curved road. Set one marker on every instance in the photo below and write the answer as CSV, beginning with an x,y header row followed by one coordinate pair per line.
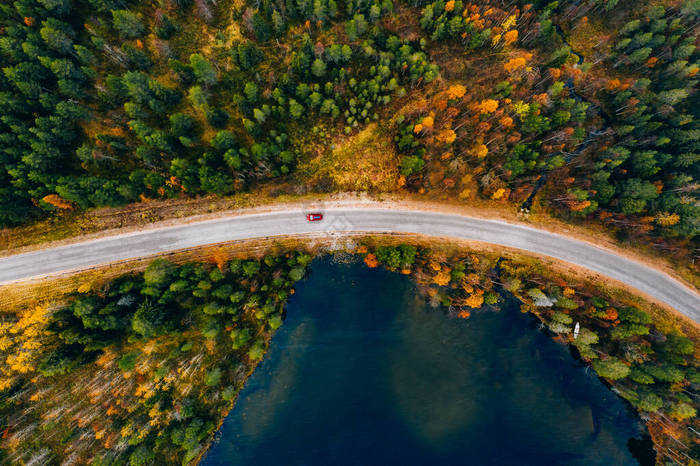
x,y
88,254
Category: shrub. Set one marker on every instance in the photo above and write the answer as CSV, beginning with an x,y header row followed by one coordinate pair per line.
x,y
128,361
681,410
213,377
611,368
627,330
650,402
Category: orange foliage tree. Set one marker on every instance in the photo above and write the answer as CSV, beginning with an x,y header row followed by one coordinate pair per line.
x,y
57,201
510,37
442,278
371,260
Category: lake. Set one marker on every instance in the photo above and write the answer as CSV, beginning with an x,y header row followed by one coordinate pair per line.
x,y
365,372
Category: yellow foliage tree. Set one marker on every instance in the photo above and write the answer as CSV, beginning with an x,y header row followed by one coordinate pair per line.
x,y
514,64
509,22
428,121
447,136
488,106
480,151
666,219
498,194
20,342
475,300
84,288
456,91
449,6
442,278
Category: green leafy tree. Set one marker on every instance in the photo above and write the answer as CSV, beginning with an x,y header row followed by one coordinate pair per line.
x,y
257,350
318,68
611,368
627,330
297,273
213,377
649,402
203,70
679,345
411,165
640,376
664,372
239,338
127,24
157,273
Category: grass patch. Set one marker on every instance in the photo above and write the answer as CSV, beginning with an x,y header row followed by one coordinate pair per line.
x,y
365,161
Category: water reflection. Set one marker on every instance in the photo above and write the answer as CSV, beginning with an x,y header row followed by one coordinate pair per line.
x,y
364,372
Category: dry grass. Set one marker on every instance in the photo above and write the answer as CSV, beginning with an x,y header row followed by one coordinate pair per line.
x,y
365,161
73,224
54,289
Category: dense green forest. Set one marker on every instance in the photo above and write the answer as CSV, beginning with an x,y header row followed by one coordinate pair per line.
x,y
589,108
109,107
141,369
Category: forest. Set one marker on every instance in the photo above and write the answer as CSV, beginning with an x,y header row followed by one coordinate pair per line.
x,y
143,369
587,109
146,365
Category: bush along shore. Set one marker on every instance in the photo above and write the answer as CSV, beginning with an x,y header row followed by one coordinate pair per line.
x,y
648,358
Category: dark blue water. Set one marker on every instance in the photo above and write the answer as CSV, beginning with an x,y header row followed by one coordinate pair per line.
x,y
364,372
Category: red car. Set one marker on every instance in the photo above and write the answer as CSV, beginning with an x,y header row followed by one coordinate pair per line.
x,y
314,217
